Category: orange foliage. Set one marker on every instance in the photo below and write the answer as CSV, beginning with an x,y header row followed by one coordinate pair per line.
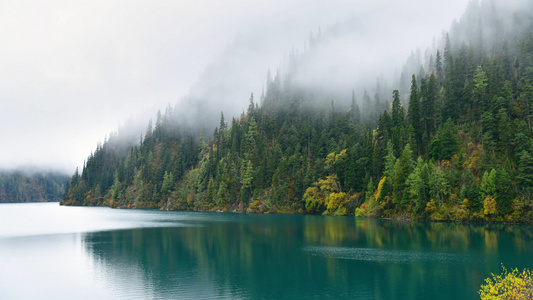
x,y
445,164
254,207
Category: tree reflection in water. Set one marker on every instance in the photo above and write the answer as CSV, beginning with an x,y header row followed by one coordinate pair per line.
x,y
303,256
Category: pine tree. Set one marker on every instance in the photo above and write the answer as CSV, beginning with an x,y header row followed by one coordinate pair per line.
x,y
479,93
417,186
251,105
438,67
525,173
431,106
354,109
397,122
448,60
402,169
414,114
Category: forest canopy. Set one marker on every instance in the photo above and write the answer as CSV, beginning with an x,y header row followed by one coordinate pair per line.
x,y
451,141
19,186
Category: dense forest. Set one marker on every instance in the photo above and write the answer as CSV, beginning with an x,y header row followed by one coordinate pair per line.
x,y
452,141
19,186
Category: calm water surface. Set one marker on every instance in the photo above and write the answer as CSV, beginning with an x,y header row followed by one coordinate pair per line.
x,y
53,252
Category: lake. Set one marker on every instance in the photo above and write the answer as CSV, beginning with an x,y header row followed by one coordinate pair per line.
x,y
53,252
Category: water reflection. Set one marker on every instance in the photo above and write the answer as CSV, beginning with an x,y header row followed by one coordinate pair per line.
x,y
286,257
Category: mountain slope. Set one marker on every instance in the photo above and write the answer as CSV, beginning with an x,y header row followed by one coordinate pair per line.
x,y
18,186
452,142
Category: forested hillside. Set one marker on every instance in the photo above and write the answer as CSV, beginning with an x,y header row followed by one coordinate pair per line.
x,y
18,186
451,141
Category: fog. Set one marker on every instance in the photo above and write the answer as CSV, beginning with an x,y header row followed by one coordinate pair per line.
x,y
71,72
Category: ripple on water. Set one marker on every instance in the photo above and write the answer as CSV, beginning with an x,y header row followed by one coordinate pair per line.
x,y
390,255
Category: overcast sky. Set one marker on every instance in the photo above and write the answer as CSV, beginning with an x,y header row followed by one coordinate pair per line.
x,y
72,71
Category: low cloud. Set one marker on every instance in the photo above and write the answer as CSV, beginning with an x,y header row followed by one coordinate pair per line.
x,y
71,72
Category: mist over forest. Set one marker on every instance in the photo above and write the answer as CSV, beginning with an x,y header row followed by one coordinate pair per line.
x,y
445,137
74,72
359,54
31,186
352,54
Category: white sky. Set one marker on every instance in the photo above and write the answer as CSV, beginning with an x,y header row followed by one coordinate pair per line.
x,y
71,71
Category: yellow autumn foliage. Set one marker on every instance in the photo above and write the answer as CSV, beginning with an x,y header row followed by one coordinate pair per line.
x,y
334,158
380,187
489,206
375,207
313,199
512,285
335,201
330,160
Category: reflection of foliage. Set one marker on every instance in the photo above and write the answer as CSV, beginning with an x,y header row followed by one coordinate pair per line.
x,y
512,285
263,254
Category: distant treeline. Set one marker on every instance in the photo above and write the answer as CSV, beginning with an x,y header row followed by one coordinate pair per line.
x,y
19,186
457,147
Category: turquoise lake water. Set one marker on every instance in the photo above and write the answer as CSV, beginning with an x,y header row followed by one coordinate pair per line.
x,y
53,252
